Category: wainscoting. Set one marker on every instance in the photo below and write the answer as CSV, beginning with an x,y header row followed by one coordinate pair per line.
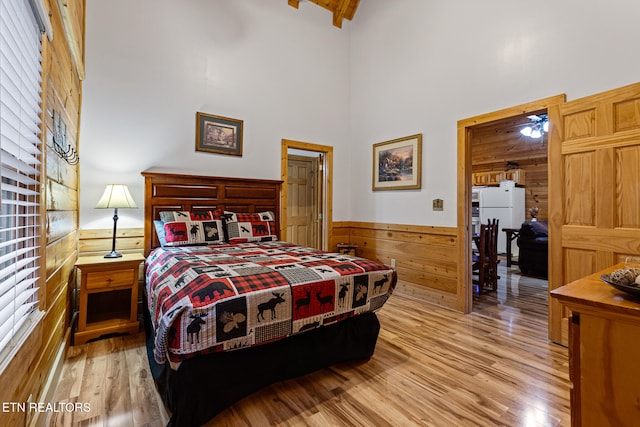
x,y
425,257
98,241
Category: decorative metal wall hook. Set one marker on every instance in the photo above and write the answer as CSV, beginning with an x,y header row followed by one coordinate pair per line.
x,y
69,154
60,146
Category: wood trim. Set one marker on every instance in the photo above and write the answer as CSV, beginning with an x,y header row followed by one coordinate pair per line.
x,y
555,274
427,229
327,171
486,118
74,31
464,299
49,388
167,191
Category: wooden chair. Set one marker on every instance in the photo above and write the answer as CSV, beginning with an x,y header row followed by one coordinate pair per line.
x,y
480,258
485,258
492,254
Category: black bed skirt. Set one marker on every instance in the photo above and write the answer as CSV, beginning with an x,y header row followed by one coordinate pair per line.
x,y
204,386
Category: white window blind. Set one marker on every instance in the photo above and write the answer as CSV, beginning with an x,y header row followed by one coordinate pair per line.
x,y
20,159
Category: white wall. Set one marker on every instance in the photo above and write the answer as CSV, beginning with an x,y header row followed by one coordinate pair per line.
x,y
152,64
419,66
401,67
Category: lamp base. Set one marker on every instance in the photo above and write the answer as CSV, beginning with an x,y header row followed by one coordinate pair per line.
x,y
113,254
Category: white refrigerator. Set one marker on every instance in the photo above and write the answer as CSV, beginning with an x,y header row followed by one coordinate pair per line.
x,y
507,204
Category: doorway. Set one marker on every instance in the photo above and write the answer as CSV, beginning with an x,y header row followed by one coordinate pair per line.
x,y
306,193
511,186
466,129
304,201
593,177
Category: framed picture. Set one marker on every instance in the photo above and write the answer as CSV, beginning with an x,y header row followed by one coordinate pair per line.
x,y
217,134
397,164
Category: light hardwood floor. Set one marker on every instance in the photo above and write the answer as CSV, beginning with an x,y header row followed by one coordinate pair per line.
x,y
432,367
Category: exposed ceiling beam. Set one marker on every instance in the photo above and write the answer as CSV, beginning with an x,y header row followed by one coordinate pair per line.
x,y
339,12
353,7
341,9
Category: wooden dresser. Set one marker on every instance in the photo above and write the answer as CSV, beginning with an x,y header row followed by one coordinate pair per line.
x,y
604,352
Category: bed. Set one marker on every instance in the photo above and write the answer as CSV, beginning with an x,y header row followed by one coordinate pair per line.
x,y
244,309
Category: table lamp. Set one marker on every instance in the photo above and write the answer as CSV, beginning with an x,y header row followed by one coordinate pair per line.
x,y
115,196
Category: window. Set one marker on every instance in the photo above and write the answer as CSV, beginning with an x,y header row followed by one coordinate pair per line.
x,y
20,167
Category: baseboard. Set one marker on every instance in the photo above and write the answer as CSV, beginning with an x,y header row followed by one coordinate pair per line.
x,y
39,418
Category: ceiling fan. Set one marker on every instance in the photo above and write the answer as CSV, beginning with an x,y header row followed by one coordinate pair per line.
x,y
538,125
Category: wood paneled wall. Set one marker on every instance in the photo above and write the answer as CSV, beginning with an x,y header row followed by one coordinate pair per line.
x,y
425,256
99,241
495,144
29,374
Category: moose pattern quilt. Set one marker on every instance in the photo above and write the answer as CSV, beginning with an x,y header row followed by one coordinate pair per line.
x,y
217,298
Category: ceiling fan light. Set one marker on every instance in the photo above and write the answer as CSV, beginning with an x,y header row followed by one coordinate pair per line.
x,y
526,131
536,133
545,126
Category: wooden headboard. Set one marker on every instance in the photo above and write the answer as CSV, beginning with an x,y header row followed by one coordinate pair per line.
x,y
175,192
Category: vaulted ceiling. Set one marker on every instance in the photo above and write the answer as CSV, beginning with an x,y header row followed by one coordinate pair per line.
x,y
341,9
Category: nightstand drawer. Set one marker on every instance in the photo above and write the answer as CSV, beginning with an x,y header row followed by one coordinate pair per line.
x,y
110,279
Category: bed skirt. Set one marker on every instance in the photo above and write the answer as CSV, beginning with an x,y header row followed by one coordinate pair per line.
x,y
204,386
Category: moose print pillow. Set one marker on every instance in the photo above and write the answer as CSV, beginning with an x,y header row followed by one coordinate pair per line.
x,y
186,228
251,227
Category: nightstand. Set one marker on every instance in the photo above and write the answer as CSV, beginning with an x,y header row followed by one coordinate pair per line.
x,y
108,296
347,249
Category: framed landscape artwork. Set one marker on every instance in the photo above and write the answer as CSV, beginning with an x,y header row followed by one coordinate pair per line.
x,y
217,134
397,164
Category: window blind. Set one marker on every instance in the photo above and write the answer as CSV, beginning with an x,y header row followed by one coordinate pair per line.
x,y
20,165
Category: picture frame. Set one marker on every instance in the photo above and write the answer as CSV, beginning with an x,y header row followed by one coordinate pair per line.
x,y
397,164
218,134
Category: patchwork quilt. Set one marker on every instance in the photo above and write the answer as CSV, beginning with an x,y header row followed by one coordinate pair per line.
x,y
217,298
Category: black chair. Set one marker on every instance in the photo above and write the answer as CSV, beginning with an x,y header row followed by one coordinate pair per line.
x,y
533,241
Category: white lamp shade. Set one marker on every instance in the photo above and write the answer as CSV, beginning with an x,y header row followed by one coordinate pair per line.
x,y
116,196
